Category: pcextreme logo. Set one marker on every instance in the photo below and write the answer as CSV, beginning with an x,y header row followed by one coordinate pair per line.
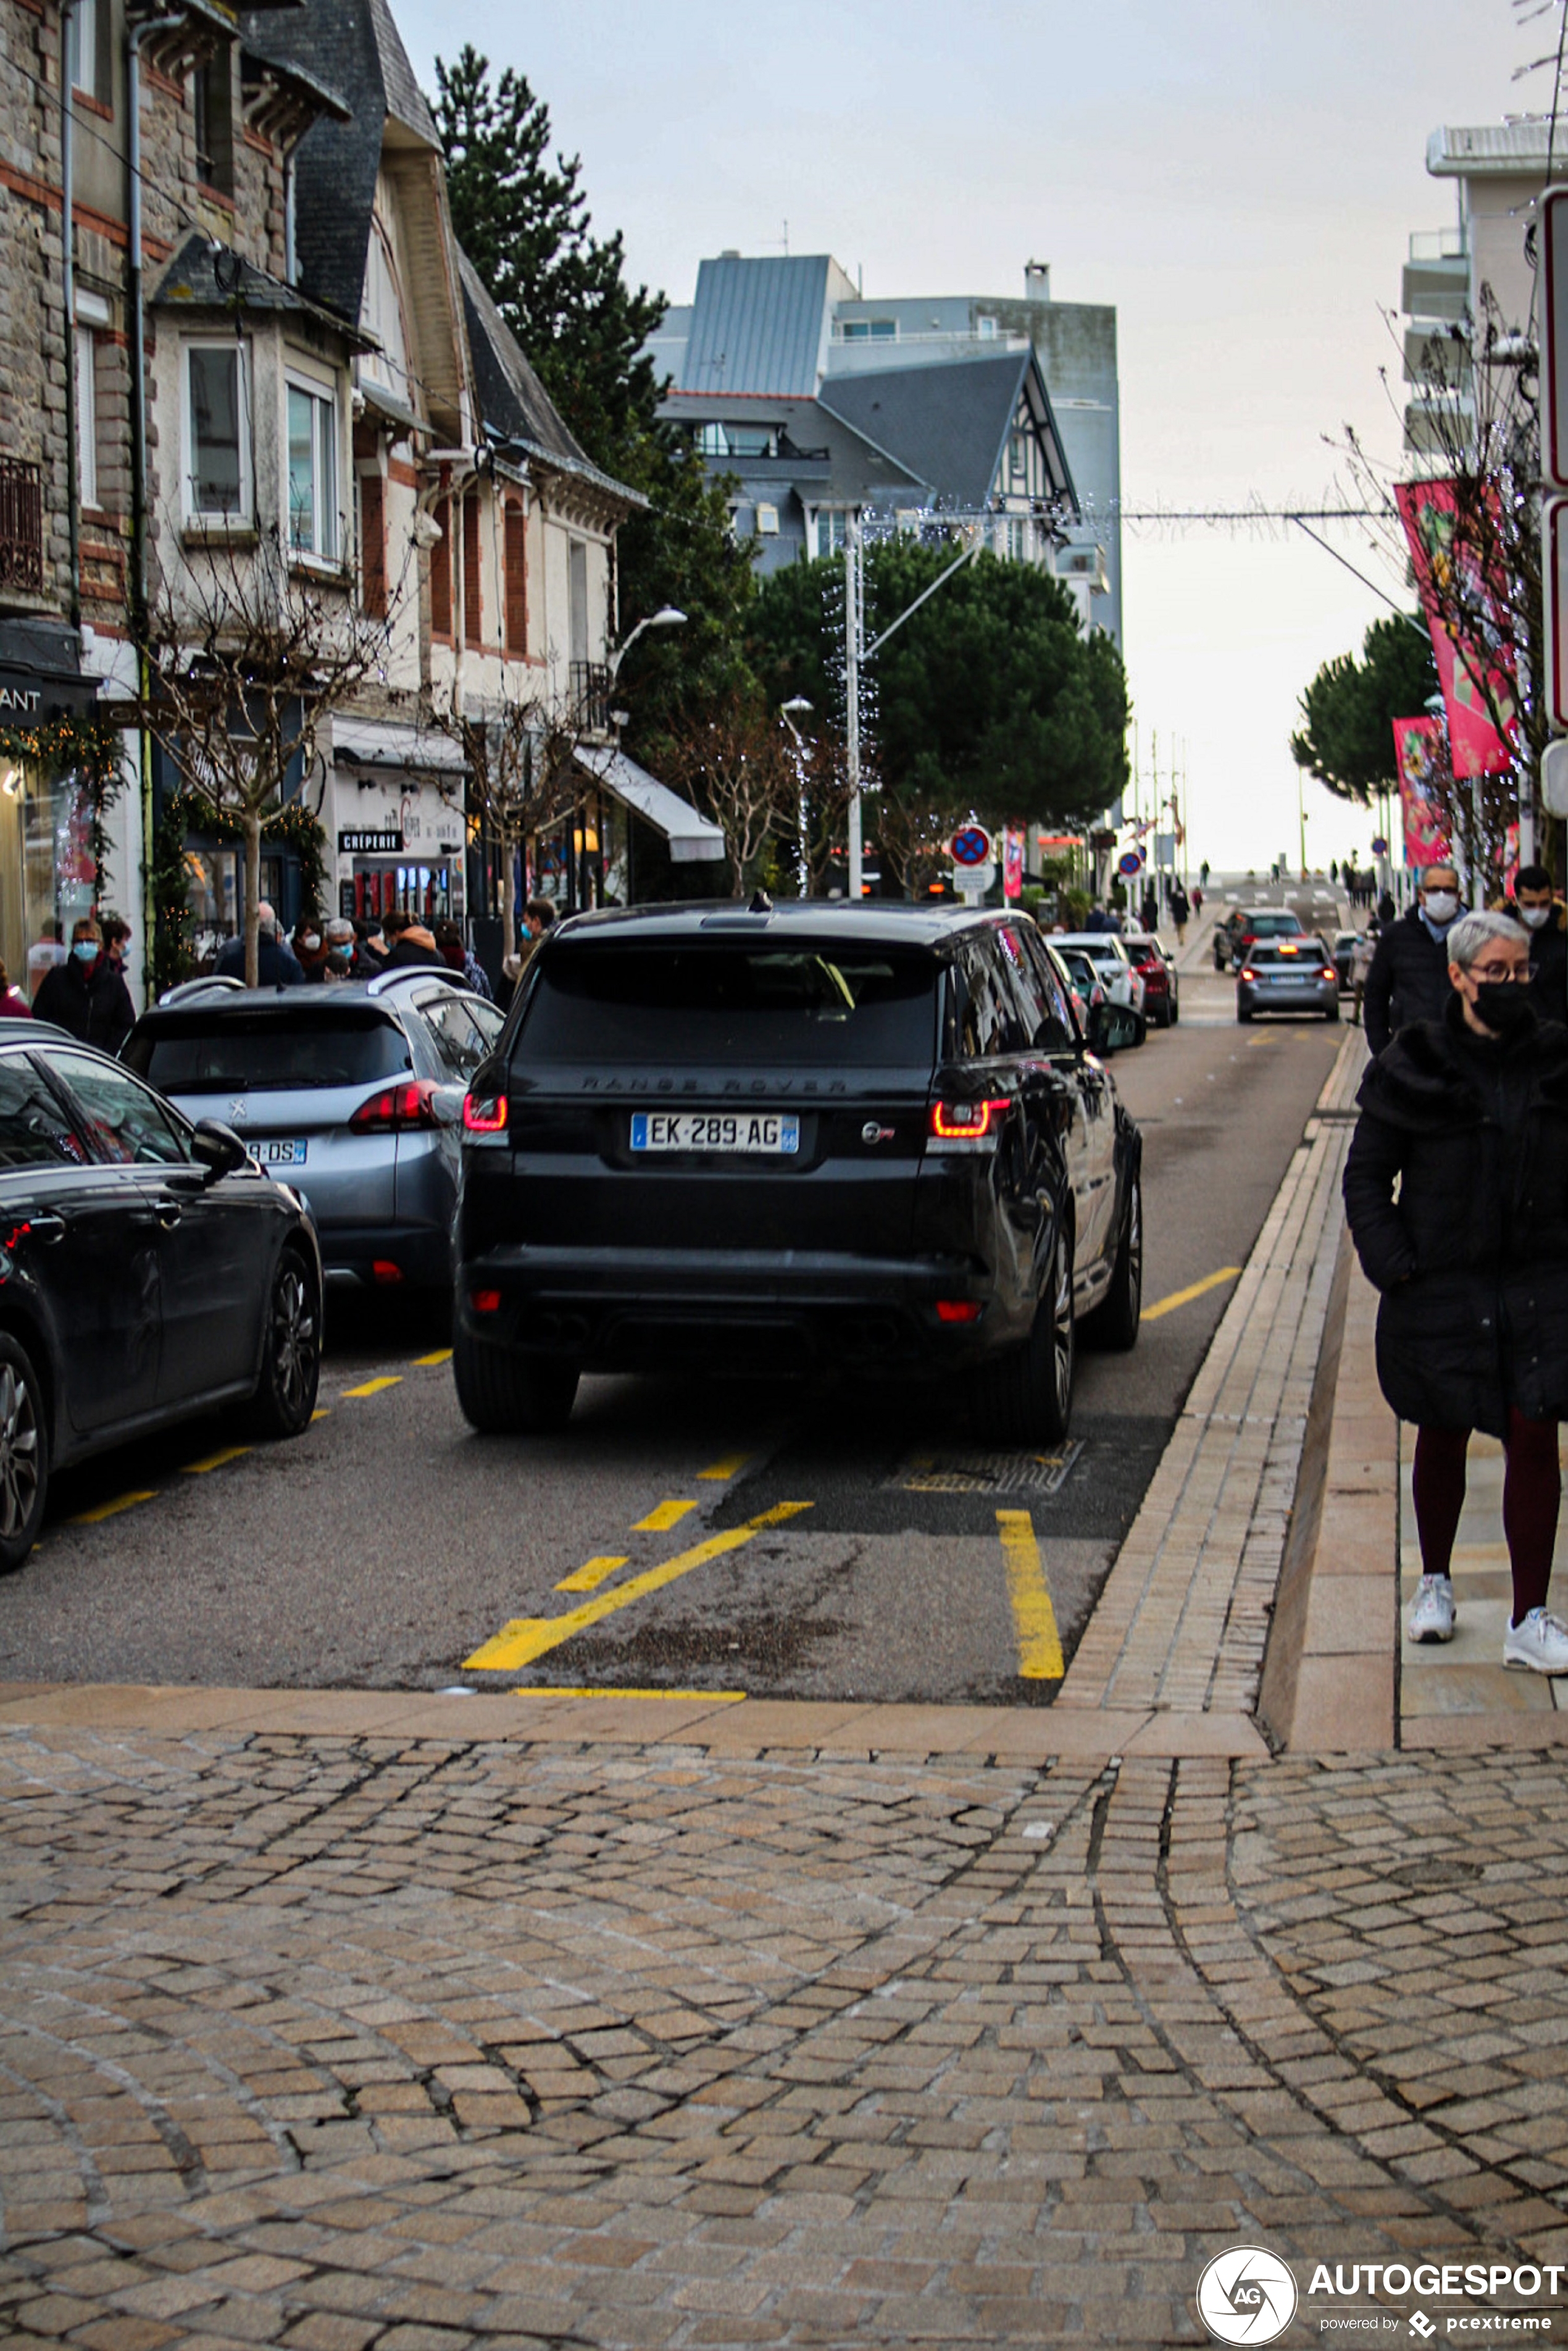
x,y
1246,2295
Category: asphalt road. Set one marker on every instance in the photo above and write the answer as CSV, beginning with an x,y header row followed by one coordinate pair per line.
x,y
846,1544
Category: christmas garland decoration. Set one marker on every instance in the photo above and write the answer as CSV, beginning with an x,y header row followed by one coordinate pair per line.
x,y
291,827
85,746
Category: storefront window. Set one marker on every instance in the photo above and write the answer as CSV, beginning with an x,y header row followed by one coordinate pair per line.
x,y
47,868
214,892
380,886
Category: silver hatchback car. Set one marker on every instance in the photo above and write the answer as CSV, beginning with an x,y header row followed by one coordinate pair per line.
x,y
1287,974
352,1094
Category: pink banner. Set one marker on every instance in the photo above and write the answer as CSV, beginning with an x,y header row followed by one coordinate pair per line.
x,y
1012,863
1418,752
1439,558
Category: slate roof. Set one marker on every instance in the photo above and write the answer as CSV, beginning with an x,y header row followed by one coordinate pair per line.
x,y
512,400
354,47
193,277
856,470
760,324
948,422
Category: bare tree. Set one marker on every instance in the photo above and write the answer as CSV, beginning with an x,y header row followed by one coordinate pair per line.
x,y
739,768
1478,567
522,776
913,838
816,817
246,656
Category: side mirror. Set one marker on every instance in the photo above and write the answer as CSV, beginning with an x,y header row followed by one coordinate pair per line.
x,y
217,1148
1113,1027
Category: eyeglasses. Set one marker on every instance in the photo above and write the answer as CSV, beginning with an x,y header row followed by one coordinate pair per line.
x,y
1498,971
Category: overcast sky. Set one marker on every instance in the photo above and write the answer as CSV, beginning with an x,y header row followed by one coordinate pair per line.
x,y
1239,177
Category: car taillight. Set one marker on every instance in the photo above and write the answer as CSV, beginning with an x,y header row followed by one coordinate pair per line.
x,y
967,1121
1248,973
484,1113
1329,972
957,1310
397,1109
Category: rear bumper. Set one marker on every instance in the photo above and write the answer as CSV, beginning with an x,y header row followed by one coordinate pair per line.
x,y
1323,996
768,1312
422,1254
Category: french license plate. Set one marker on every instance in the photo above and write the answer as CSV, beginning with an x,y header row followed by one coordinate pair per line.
x,y
278,1151
741,1130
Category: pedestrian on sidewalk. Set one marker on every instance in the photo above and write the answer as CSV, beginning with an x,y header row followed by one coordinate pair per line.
x,y
1456,1192
1181,908
1409,976
1361,956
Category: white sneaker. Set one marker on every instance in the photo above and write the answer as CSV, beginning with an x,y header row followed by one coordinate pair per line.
x,y
1431,1617
1540,1643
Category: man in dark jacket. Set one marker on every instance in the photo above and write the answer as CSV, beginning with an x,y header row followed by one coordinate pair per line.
x,y
86,995
1535,904
1409,976
412,943
277,964
1456,1187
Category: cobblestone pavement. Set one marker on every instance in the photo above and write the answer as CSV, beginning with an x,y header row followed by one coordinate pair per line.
x,y
338,2042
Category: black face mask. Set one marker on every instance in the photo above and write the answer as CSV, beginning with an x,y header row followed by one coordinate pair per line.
x,y
1502,1004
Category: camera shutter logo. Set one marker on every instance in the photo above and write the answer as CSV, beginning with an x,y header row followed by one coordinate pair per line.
x,y
1246,2295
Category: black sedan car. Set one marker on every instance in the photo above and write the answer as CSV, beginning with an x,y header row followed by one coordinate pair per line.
x,y
149,1271
785,1138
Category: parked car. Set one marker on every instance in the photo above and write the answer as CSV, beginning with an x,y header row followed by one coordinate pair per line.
x,y
1236,934
1111,959
1081,975
149,1271
1155,966
776,1138
353,1094
1287,974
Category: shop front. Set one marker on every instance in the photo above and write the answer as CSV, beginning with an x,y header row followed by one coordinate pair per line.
x,y
399,833
57,767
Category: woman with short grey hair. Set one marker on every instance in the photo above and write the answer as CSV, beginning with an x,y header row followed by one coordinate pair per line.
x,y
1456,1192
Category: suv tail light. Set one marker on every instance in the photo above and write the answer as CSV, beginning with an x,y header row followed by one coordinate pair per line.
x,y
957,1126
484,1113
1329,972
1247,972
397,1109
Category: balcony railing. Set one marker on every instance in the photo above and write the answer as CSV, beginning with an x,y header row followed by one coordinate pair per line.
x,y
1437,245
590,687
21,523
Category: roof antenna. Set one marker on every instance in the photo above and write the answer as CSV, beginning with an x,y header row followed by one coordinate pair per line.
x,y
761,904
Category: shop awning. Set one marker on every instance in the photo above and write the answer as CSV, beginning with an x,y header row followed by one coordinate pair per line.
x,y
382,743
694,840
41,675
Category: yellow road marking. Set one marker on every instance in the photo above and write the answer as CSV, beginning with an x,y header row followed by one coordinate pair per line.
x,y
442,1355
322,1412
590,1575
668,1514
528,1637
113,1509
216,1460
726,1467
553,1689
374,1387
1040,1642
1185,1297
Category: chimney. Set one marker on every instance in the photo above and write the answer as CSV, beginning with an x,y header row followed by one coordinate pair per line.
x,y
1036,281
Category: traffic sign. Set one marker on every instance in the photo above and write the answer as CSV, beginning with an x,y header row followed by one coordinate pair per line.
x,y
971,846
1130,862
1554,777
1380,847
1554,264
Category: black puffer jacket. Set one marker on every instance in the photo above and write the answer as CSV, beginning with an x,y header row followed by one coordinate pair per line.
x,y
1408,979
1472,1257
1549,968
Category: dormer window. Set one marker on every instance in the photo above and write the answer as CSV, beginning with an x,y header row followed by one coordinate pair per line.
x,y
211,118
380,314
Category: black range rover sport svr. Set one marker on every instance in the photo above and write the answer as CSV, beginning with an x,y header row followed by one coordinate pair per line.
x,y
780,1139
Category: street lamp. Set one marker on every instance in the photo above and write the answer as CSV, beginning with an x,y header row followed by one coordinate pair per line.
x,y
667,617
799,707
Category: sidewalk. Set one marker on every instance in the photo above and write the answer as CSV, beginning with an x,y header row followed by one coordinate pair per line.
x,y
384,2023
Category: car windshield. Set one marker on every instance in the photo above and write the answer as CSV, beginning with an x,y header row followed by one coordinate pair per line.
x,y
203,1052
839,1004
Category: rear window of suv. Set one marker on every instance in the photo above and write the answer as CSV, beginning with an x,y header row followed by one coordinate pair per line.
x,y
1302,953
195,1052
849,1006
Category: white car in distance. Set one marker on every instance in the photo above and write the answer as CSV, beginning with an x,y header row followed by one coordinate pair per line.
x,y
1108,956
